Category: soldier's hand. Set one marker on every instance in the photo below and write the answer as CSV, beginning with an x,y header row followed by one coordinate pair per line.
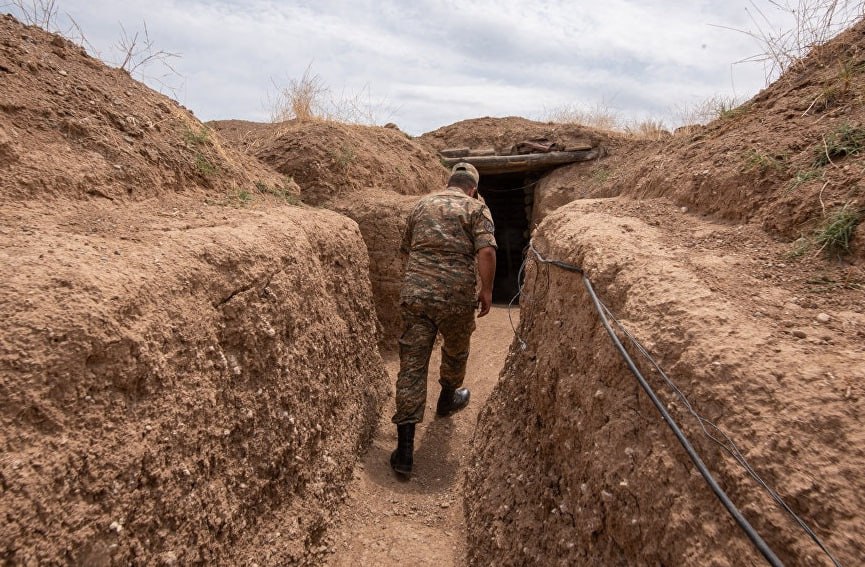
x,y
485,301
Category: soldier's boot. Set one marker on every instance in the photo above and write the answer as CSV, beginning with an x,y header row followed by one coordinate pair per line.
x,y
452,400
402,457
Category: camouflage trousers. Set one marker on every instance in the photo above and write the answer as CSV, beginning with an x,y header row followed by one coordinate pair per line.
x,y
421,323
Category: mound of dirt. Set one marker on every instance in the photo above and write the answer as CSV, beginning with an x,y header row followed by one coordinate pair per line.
x,y
330,160
188,364
72,127
372,175
503,133
785,159
778,367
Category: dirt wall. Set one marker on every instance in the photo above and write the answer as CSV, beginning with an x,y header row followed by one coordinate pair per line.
x,y
573,466
381,216
180,385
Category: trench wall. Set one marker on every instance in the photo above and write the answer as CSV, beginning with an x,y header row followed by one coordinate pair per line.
x,y
187,395
573,465
381,216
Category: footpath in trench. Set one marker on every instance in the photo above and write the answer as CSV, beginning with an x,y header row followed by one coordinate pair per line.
x,y
387,521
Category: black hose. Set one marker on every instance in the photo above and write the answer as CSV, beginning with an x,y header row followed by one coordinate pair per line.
x,y
752,534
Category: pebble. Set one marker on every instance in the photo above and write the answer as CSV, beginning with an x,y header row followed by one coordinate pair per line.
x,y
823,318
684,209
799,334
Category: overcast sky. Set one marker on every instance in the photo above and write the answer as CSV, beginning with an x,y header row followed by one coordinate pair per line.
x,y
429,63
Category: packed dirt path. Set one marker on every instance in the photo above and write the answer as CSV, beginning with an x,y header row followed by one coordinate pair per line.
x,y
387,521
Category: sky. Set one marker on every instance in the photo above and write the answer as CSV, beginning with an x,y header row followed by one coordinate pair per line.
x,y
425,64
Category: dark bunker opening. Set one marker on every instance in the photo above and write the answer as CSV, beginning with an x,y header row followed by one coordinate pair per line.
x,y
509,197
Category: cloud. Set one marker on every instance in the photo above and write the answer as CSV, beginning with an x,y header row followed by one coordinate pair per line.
x,y
440,61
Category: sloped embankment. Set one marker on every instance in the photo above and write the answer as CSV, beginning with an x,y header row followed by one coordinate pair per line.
x,y
574,466
188,365
787,159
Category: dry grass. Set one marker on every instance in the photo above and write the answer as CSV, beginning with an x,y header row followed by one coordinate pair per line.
x,y
309,98
41,13
707,110
647,130
302,99
600,116
815,22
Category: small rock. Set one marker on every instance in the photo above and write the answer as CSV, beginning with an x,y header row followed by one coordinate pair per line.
x,y
799,334
684,209
823,318
445,505
63,73
116,527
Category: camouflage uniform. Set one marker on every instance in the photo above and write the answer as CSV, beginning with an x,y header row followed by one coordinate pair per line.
x,y
439,294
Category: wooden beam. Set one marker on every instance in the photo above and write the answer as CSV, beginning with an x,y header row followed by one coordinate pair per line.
x,y
525,162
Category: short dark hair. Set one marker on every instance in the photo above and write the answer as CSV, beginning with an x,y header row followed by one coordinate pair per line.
x,y
463,180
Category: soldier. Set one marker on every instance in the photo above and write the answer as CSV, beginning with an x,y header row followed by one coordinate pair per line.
x,y
445,233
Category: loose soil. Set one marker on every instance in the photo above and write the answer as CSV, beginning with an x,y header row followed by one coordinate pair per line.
x,y
388,521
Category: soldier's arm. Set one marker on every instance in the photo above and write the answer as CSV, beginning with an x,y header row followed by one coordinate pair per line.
x,y
405,246
487,272
483,234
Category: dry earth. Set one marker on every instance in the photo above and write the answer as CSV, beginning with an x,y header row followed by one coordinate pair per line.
x,y
771,356
188,362
387,521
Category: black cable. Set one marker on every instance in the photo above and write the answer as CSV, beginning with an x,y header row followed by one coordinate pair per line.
x,y
752,534
727,444
730,447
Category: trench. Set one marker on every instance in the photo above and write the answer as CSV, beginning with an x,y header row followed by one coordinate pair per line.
x,y
386,521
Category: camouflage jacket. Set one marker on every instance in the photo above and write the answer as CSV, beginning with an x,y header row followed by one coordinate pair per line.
x,y
442,235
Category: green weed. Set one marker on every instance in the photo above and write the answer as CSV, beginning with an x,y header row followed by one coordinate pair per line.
x,y
193,138
800,246
343,157
728,112
601,175
281,192
846,140
834,233
803,177
204,167
756,160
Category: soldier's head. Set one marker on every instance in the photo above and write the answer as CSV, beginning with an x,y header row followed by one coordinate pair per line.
x,y
466,177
